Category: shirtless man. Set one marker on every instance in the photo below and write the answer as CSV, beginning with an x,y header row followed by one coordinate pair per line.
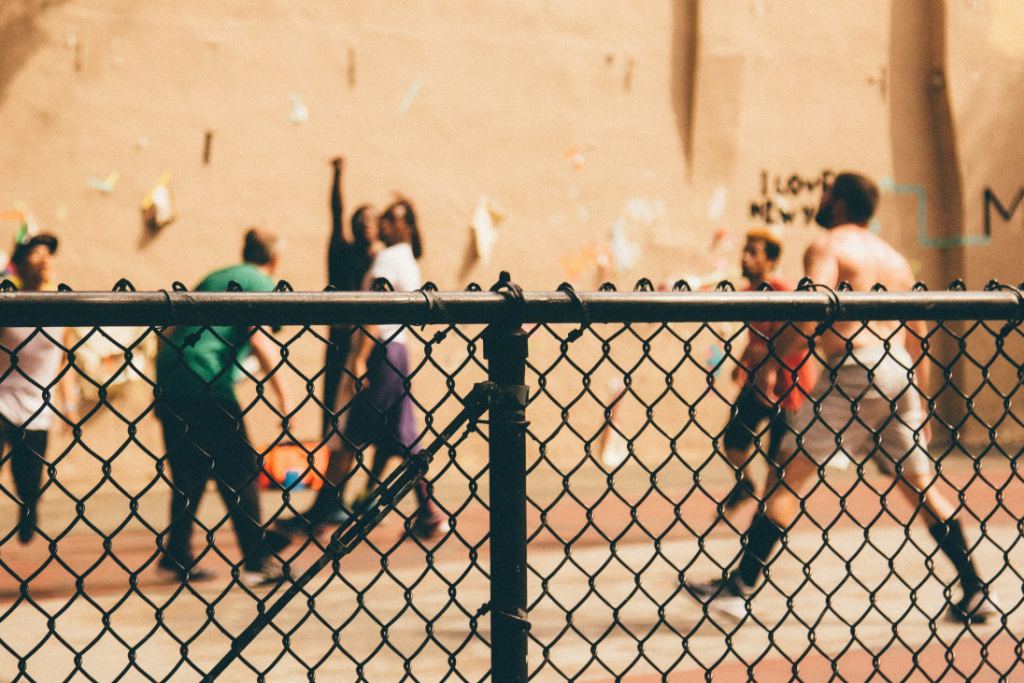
x,y
877,377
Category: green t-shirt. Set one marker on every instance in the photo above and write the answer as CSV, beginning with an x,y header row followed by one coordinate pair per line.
x,y
197,359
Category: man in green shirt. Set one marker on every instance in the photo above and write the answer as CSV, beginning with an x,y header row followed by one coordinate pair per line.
x,y
203,425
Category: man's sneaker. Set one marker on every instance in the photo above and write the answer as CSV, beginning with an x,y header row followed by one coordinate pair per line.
x,y
728,597
312,520
743,490
177,572
975,607
426,527
271,574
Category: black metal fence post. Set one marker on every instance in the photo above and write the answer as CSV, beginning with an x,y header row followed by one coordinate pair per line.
x,y
505,349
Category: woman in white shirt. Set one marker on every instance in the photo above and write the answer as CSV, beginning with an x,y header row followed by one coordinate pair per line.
x,y
31,359
379,411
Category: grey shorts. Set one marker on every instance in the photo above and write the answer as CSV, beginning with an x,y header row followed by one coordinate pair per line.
x,y
864,405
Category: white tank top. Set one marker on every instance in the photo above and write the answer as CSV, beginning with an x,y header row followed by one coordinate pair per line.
x,y
23,384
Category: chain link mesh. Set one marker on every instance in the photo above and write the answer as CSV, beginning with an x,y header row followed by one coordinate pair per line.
x,y
629,489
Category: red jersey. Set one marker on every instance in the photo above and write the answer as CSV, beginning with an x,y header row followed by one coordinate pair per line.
x,y
806,374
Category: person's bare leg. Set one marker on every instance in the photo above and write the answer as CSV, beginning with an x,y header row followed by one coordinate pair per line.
x,y
786,488
937,512
743,489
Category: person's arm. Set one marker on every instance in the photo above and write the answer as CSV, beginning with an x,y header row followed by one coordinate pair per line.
x,y
337,202
263,348
363,344
821,265
67,388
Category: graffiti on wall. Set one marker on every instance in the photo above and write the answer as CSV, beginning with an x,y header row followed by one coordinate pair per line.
x,y
1006,213
789,198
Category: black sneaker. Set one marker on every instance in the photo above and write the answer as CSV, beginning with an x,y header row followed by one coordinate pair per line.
x,y
743,490
975,607
270,574
176,572
728,597
311,521
426,527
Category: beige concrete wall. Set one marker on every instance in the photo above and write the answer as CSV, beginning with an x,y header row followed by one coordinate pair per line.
x,y
683,114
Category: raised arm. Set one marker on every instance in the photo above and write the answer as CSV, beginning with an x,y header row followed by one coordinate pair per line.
x,y
263,348
337,202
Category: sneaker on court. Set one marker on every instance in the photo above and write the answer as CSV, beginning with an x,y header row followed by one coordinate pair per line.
x,y
975,607
311,521
426,527
177,572
728,597
271,574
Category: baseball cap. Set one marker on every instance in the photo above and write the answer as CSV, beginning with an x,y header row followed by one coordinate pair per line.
x,y
767,234
24,247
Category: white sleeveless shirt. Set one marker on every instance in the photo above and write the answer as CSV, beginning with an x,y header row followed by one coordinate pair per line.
x,y
23,384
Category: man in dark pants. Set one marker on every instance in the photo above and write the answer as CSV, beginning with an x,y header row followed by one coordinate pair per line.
x,y
203,425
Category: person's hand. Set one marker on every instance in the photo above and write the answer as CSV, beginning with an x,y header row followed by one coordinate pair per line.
x,y
740,374
358,369
766,380
72,416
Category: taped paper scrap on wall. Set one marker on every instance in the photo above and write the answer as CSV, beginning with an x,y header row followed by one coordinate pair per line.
x,y
625,253
578,262
300,114
104,186
12,215
716,208
575,156
158,206
410,96
486,218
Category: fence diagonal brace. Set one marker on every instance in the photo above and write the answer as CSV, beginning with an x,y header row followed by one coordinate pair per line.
x,y
349,535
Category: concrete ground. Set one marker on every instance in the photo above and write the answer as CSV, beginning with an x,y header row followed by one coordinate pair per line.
x,y
604,592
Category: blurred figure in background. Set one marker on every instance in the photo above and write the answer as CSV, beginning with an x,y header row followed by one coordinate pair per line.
x,y
347,265
31,363
380,412
203,425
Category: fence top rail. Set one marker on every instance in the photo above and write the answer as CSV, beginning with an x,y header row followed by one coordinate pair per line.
x,y
167,308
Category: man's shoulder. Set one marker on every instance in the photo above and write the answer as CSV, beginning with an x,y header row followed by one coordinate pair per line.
x,y
248,276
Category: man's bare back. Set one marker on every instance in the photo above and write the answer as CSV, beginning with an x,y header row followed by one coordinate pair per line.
x,y
851,253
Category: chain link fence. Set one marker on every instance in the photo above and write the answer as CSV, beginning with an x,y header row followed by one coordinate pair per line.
x,y
577,486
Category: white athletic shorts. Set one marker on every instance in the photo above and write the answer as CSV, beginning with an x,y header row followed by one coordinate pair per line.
x,y
864,405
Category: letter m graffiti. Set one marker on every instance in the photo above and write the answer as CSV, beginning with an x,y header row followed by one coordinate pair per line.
x,y
992,202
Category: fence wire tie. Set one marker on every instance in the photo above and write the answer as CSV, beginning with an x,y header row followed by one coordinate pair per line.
x,y
1011,324
512,292
434,303
519,618
832,310
568,289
